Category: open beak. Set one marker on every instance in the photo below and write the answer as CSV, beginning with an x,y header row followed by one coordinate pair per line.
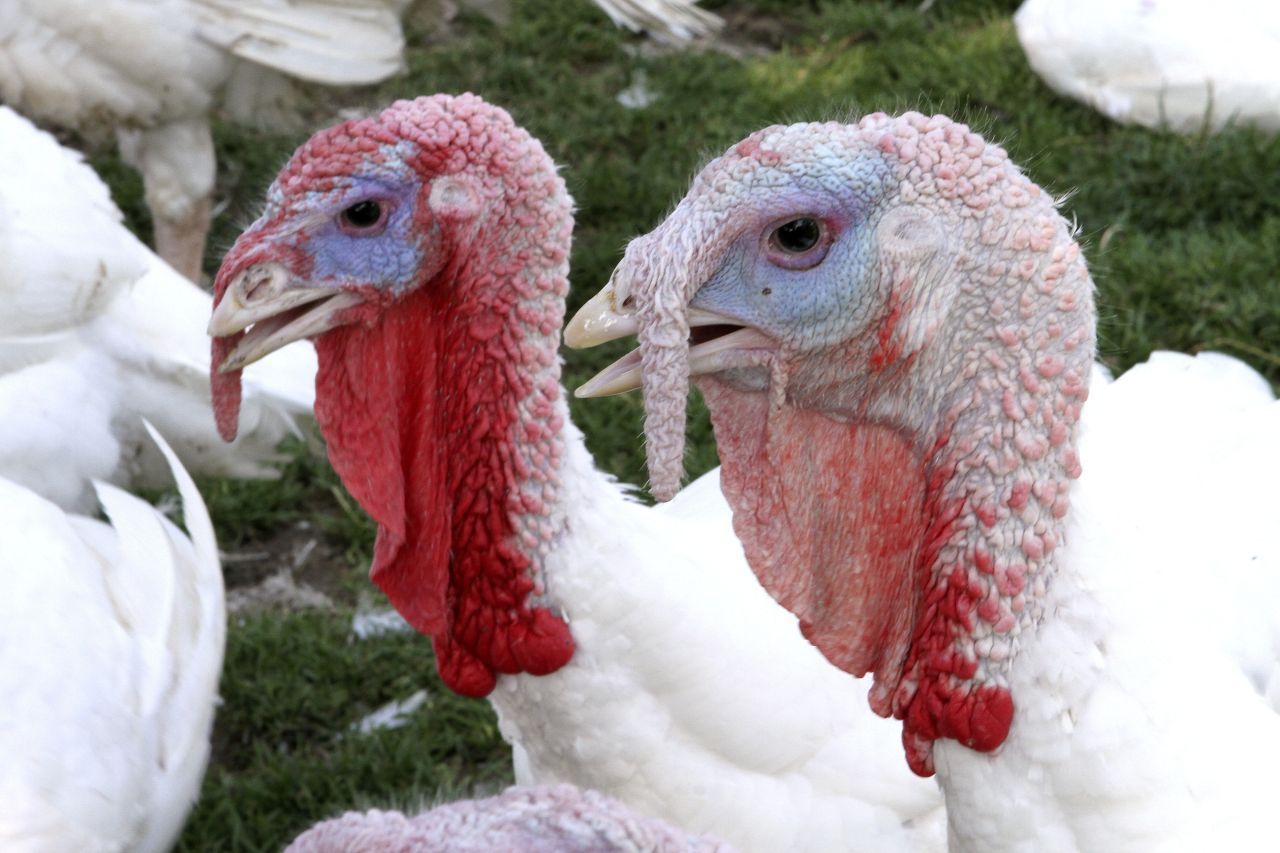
x,y
273,308
715,342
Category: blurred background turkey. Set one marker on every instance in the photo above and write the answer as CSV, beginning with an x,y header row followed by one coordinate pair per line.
x,y
1180,65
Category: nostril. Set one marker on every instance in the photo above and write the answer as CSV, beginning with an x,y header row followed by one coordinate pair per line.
x,y
257,283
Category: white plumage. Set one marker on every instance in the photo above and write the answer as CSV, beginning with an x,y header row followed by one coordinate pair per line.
x,y
1146,706
1184,64
664,20
113,639
677,19
152,70
693,697
98,332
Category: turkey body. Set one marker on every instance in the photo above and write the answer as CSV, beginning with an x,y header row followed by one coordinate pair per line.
x,y
113,637
1178,64
152,70
1065,586
543,584
99,333
1164,573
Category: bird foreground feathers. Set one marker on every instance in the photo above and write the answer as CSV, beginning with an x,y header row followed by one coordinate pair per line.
x,y
894,331
98,333
627,649
113,639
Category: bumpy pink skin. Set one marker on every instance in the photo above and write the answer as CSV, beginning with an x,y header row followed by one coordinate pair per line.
x,y
899,477
440,399
560,819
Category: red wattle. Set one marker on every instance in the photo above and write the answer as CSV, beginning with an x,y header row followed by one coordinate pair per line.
x,y
437,471
225,388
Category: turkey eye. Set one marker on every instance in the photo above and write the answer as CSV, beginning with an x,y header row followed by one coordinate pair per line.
x,y
798,235
361,216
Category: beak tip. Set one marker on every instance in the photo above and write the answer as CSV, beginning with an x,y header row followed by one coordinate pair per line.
x,y
598,322
609,383
573,337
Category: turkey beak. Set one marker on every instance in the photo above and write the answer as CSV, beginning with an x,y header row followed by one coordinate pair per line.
x,y
273,308
599,321
602,319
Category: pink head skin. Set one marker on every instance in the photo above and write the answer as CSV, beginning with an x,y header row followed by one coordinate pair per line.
x,y
896,407
560,819
426,252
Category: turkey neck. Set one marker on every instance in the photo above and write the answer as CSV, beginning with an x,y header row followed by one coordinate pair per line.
x,y
998,487
990,404
444,420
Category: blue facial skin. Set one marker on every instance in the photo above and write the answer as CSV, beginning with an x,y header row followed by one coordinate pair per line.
x,y
387,259
754,284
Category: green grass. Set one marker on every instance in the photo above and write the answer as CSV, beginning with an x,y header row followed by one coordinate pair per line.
x,y
1183,234
285,751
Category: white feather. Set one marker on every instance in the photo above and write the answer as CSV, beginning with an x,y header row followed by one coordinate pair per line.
x,y
1184,64
336,42
1161,654
675,19
113,637
99,332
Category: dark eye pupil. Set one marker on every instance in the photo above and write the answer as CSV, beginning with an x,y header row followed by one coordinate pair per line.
x,y
798,235
362,214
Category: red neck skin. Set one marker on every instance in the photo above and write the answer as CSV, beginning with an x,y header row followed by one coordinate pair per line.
x,y
889,555
785,471
442,419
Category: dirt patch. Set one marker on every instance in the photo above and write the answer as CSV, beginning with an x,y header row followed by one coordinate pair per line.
x,y
294,567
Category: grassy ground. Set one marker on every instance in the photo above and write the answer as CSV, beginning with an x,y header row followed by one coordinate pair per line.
x,y
1183,235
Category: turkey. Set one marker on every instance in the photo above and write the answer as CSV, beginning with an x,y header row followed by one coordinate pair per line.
x,y
894,331
626,649
98,332
113,639
557,818
153,69
1180,64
